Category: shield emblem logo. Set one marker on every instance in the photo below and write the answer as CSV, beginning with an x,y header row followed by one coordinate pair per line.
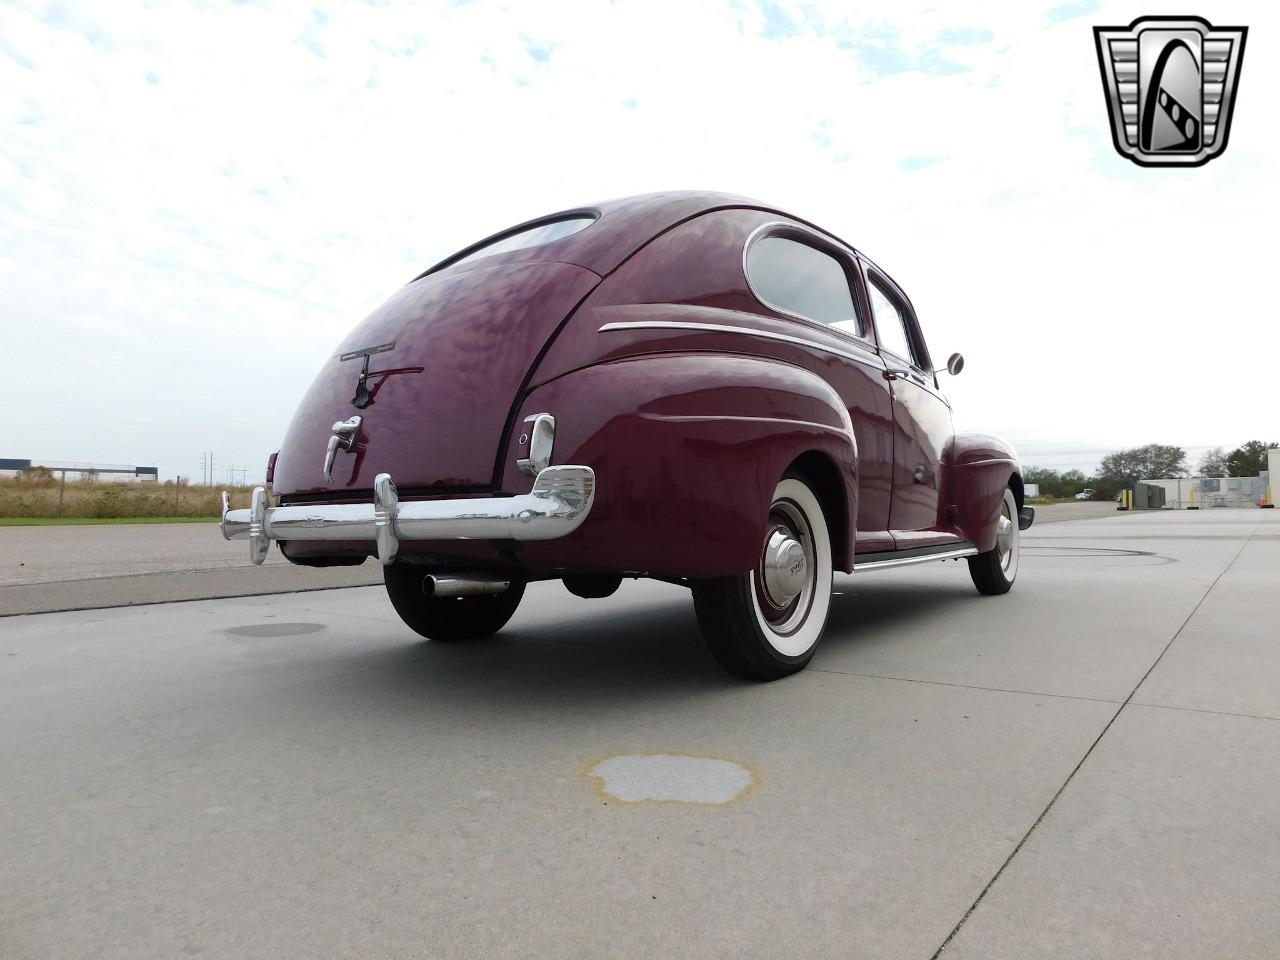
x,y
1170,84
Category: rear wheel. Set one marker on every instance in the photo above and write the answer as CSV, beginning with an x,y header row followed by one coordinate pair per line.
x,y
447,618
993,572
765,624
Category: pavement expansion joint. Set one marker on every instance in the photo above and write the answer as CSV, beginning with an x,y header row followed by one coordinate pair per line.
x,y
1216,713
965,686
1093,746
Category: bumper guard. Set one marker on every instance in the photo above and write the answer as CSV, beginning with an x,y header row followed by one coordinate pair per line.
x,y
560,500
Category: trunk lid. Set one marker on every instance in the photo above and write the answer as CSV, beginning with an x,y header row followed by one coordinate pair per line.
x,y
464,341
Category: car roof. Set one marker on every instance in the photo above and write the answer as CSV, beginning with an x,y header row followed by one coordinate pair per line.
x,y
623,226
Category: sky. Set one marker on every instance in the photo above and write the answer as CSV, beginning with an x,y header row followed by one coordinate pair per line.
x,y
198,201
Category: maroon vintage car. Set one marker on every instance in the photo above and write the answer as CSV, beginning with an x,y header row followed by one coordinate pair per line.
x,y
687,386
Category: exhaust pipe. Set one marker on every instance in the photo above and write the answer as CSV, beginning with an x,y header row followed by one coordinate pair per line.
x,y
464,585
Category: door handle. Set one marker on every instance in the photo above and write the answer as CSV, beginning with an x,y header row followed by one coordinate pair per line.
x,y
897,373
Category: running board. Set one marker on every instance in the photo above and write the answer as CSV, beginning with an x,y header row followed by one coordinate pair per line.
x,y
889,560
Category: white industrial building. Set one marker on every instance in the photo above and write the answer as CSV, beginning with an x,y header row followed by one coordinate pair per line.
x,y
1203,493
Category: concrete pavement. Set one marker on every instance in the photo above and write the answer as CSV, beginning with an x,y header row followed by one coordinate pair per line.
x,y
1087,767
44,569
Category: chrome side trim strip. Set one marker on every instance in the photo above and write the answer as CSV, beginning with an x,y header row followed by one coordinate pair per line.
x,y
560,500
695,326
907,561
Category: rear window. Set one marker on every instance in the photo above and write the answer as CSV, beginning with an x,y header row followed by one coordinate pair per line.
x,y
799,279
531,237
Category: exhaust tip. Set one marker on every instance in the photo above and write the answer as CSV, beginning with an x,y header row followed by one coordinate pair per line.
x,y
464,585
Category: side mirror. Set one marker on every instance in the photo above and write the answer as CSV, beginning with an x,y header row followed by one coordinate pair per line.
x,y
955,363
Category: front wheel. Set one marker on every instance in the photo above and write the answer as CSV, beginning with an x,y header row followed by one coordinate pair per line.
x,y
765,624
993,572
447,618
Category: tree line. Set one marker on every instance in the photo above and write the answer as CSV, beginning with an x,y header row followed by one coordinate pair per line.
x,y
1121,470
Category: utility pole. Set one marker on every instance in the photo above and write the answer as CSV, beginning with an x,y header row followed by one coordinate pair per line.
x,y
203,474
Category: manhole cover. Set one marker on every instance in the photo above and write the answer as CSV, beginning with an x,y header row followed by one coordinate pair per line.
x,y
275,629
672,778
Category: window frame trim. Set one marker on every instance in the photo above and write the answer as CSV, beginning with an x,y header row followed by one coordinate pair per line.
x,y
876,277
846,259
579,213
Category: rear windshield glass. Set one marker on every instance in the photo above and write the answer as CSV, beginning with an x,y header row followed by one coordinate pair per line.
x,y
542,233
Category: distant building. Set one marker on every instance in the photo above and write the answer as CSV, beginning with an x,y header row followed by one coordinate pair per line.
x,y
106,471
1208,492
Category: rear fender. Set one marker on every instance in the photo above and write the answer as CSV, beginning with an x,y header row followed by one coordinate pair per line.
x,y
687,450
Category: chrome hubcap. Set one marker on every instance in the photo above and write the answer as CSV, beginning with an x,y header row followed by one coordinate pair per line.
x,y
784,579
1005,530
786,568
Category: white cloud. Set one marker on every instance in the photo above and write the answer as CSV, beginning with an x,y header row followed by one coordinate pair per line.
x,y
196,203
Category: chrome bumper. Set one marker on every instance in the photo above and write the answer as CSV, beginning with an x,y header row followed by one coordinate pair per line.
x,y
560,500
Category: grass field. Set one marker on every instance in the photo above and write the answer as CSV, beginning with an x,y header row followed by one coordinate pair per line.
x,y
92,521
26,501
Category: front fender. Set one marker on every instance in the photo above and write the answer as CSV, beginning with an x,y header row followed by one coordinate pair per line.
x,y
983,467
687,450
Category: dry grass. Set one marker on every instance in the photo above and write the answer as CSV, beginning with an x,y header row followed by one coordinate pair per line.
x,y
95,521
28,499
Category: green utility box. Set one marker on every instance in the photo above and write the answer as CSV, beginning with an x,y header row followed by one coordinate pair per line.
x,y
1148,496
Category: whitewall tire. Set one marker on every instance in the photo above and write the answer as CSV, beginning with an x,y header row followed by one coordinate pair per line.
x,y
766,623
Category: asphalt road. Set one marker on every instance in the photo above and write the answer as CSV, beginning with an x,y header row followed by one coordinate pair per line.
x,y
1087,767
114,565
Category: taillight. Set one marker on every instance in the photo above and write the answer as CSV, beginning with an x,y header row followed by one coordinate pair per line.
x,y
537,437
271,466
